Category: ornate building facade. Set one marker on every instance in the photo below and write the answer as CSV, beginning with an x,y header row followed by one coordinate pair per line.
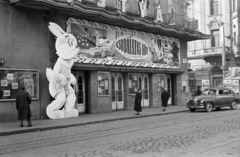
x,y
124,46
214,62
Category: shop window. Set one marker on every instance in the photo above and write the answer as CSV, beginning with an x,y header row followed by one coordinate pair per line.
x,y
133,83
214,7
13,79
103,83
161,82
215,39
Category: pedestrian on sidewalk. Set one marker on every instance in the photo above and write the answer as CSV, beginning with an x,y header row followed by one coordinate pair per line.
x,y
165,96
199,91
137,103
23,101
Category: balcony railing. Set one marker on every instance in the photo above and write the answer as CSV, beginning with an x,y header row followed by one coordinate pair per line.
x,y
180,20
204,52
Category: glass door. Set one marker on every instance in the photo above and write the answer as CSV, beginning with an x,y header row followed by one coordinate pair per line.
x,y
117,91
80,91
145,90
169,88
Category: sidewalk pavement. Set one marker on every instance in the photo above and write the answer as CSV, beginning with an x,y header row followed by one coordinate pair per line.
x,y
10,128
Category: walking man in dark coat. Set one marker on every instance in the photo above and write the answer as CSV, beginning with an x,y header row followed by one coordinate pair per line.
x,y
165,96
23,101
137,103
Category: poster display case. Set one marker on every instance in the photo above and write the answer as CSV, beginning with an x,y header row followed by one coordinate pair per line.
x,y
133,83
161,82
13,79
103,83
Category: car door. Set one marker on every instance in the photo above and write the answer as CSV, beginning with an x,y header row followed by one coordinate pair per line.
x,y
228,97
220,98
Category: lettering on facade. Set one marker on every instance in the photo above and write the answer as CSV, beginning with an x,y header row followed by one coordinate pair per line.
x,y
143,5
123,4
132,47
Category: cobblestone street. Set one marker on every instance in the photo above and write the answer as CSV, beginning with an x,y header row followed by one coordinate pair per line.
x,y
199,134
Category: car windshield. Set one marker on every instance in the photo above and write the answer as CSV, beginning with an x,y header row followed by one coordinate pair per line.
x,y
209,92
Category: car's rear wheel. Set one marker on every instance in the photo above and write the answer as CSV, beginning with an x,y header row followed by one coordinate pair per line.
x,y
209,107
234,105
192,109
218,108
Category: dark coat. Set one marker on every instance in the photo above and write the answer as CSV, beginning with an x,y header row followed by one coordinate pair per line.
x,y
165,96
199,92
137,103
23,101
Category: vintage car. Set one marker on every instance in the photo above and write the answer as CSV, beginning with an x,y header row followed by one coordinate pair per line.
x,y
215,97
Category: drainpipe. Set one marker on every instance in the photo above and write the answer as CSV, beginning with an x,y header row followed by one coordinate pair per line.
x,y
223,48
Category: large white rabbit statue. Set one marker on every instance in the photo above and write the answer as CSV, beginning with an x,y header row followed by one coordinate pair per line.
x,y
61,77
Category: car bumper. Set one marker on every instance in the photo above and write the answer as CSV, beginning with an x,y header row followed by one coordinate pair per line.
x,y
196,107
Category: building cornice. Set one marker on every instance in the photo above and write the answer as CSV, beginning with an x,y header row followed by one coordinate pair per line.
x,y
99,14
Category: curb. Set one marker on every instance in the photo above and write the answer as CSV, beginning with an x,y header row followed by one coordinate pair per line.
x,y
85,123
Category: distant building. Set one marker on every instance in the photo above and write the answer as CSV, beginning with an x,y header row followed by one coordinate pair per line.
x,y
218,18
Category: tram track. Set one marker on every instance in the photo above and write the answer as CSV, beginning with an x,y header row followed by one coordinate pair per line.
x,y
101,133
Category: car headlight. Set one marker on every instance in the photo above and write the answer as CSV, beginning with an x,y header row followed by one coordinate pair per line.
x,y
202,101
187,101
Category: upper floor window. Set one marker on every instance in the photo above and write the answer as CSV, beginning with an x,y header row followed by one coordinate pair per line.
x,y
214,7
234,6
189,10
215,39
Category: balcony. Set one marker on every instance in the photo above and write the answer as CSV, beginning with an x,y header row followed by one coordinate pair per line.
x,y
180,20
211,55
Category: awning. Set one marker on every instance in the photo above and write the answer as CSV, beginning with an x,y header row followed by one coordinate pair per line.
x,y
99,14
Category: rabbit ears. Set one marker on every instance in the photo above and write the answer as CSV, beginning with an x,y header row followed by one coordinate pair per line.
x,y
56,29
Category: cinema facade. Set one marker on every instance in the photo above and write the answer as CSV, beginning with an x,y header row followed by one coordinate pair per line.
x,y
119,54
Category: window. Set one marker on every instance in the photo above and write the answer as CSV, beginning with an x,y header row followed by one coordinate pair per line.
x,y
214,7
103,83
220,92
13,79
234,6
215,39
225,91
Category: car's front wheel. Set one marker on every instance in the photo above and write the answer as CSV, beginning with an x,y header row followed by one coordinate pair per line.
x,y
234,105
192,109
209,107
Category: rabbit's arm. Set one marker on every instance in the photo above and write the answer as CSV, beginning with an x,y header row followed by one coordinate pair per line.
x,y
57,67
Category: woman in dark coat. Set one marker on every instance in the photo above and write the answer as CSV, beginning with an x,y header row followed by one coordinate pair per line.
x,y
199,92
23,101
137,103
165,96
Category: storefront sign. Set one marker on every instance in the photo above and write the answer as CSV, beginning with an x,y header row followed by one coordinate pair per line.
x,y
132,47
235,73
235,86
100,41
227,84
205,84
227,74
